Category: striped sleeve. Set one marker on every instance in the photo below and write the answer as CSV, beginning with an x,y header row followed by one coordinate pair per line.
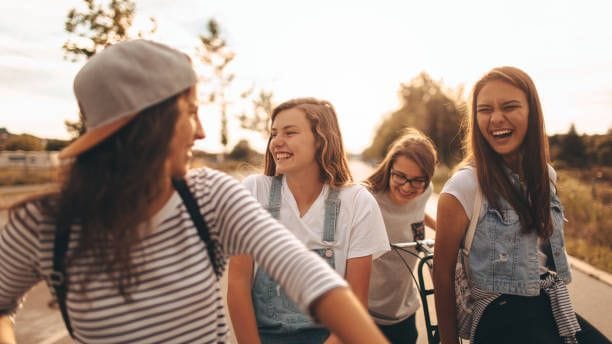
x,y
18,257
242,226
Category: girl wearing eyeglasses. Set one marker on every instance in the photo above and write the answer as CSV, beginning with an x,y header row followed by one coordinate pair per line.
x,y
401,184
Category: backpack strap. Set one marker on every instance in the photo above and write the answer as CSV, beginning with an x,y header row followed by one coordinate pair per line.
x,y
469,235
57,278
198,220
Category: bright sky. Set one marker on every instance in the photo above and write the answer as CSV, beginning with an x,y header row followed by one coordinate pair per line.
x,y
352,53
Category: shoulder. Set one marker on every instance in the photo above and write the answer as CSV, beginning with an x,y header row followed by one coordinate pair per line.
x,y
552,174
463,181
357,193
31,215
255,181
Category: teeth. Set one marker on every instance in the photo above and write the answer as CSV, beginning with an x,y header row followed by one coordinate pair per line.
x,y
501,132
281,156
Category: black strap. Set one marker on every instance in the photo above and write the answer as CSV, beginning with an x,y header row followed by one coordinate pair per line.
x,y
58,275
198,220
62,238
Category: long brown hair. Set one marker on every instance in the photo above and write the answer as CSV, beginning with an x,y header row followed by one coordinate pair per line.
x,y
533,203
330,155
109,188
414,145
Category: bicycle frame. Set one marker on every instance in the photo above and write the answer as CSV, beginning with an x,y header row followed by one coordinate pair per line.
x,y
425,259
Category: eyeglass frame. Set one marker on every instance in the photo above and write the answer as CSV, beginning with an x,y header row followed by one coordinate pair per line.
x,y
394,175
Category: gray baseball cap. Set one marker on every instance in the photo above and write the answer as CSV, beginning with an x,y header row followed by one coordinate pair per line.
x,y
116,84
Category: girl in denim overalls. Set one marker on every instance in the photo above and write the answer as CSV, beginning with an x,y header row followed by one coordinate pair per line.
x,y
517,265
307,186
401,185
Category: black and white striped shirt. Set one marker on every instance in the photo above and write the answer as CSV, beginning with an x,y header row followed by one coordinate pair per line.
x,y
178,299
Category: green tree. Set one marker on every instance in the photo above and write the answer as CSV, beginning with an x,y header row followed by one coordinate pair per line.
x,y
91,29
259,119
216,55
23,142
573,150
430,107
55,145
603,150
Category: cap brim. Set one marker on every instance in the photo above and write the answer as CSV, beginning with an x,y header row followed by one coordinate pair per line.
x,y
93,137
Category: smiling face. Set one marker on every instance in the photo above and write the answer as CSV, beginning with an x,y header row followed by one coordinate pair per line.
x,y
292,143
502,115
403,171
187,130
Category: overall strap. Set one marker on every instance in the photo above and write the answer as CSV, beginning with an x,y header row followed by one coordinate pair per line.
x,y
332,208
274,200
198,220
58,275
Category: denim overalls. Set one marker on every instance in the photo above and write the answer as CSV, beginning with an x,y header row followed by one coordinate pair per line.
x,y
503,260
279,320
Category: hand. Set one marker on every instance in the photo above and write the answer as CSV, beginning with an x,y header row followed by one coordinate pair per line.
x,y
332,339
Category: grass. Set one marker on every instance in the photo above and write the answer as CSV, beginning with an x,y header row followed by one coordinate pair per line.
x,y
586,196
12,176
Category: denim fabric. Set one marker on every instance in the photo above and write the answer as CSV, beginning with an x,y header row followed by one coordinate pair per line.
x,y
502,260
279,320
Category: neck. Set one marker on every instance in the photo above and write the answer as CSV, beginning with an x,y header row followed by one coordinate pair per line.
x,y
162,197
513,162
305,187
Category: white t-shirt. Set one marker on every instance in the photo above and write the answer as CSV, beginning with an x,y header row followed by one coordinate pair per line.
x,y
463,185
393,297
360,230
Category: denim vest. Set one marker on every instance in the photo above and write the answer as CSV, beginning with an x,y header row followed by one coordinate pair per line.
x,y
279,320
503,260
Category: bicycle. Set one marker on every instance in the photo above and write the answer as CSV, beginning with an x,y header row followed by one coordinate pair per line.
x,y
423,250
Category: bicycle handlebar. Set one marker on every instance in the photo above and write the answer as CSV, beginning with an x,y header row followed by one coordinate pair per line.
x,y
426,242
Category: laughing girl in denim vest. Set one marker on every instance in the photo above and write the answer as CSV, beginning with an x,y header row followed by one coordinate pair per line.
x,y
307,186
518,266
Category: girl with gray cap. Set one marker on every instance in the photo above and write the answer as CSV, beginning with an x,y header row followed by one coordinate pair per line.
x,y
132,244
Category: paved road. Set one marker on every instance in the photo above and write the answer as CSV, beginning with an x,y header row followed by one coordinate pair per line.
x,y
37,323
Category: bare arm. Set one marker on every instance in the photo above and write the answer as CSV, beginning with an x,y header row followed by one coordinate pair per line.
x,y
343,314
358,277
7,334
358,272
239,299
452,223
430,222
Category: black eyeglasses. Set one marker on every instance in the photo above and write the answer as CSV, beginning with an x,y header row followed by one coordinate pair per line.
x,y
417,182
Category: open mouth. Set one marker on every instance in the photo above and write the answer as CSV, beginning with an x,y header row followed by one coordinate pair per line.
x,y
405,194
502,133
282,156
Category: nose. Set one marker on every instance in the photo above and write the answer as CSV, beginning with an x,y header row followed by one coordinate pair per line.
x,y
407,186
199,132
276,141
497,116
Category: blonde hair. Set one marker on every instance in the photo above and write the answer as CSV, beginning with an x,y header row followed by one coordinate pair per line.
x,y
330,154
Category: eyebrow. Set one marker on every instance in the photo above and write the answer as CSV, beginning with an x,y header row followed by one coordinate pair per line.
x,y
404,175
289,126
507,102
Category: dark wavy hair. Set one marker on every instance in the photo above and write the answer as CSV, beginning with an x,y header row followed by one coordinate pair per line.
x,y
533,203
108,190
330,154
